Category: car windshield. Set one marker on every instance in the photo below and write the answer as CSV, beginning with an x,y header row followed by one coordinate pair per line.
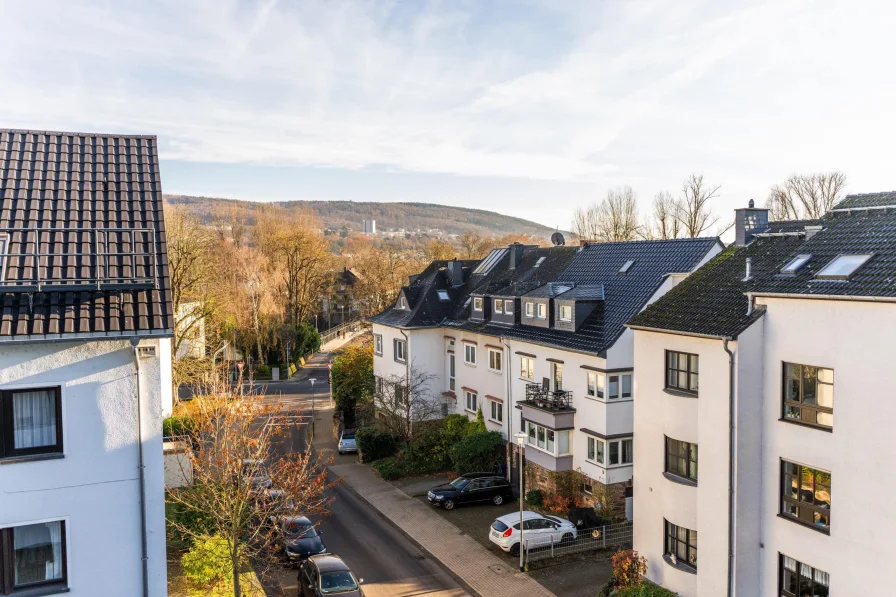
x,y
459,483
555,519
348,435
300,529
337,582
499,526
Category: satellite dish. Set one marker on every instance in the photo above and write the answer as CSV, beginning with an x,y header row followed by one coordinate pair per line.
x,y
558,239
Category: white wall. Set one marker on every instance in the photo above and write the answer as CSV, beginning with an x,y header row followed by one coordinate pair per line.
x,y
94,488
424,353
856,341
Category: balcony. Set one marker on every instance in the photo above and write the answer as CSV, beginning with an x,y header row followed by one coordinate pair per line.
x,y
543,398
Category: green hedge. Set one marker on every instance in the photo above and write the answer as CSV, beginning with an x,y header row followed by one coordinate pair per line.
x,y
176,426
263,371
390,468
535,498
477,452
647,589
375,444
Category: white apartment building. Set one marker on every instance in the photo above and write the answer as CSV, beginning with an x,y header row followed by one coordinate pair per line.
x,y
535,338
764,411
85,365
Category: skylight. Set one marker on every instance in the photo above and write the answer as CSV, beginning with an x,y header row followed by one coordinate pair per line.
x,y
490,261
537,263
443,295
842,267
625,266
795,264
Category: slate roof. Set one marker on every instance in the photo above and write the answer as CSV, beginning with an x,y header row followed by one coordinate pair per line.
x,y
593,270
886,199
713,301
68,181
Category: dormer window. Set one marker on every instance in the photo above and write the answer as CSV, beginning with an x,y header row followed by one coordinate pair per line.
x,y
795,264
477,303
625,267
530,309
499,306
443,295
565,312
542,311
402,303
842,267
508,307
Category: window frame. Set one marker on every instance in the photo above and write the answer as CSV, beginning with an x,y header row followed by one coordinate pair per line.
x,y
495,357
7,429
528,367
402,302
785,499
617,444
691,465
497,306
469,351
821,275
508,306
551,436
670,537
600,455
678,371
785,592
800,405
7,563
542,311
563,318
477,300
496,405
452,371
378,345
475,400
396,342
529,309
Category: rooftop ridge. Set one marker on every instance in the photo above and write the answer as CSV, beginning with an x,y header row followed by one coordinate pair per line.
x,y
76,134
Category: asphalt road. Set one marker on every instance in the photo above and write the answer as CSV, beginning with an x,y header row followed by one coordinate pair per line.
x,y
375,550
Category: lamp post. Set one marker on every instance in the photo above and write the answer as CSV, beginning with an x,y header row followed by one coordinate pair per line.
x,y
312,380
520,442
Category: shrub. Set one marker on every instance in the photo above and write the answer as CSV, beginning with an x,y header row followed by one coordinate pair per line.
x,y
554,502
391,468
478,425
535,498
478,452
182,523
178,426
628,568
375,444
208,562
263,371
647,589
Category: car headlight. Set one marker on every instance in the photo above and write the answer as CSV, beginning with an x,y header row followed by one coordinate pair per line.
x,y
439,498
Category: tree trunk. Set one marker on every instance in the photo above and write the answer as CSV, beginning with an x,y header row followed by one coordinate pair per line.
x,y
235,560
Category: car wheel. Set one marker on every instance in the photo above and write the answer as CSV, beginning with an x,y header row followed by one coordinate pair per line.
x,y
498,500
515,550
566,539
449,504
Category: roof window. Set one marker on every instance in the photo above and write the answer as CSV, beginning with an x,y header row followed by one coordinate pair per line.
x,y
402,303
537,263
625,266
842,267
443,295
795,264
490,261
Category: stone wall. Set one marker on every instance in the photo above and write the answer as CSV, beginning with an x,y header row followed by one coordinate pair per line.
x,y
612,495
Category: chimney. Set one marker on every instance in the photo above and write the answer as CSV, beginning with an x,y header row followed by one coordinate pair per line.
x,y
812,231
749,221
749,273
516,254
455,272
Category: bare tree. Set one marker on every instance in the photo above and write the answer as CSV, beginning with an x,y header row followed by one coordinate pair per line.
x,y
614,218
694,213
805,196
235,454
666,223
475,246
402,400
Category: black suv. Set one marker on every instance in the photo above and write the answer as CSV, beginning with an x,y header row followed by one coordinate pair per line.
x,y
470,489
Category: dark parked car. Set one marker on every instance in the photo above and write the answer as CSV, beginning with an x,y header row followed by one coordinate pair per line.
x,y
300,539
470,489
328,575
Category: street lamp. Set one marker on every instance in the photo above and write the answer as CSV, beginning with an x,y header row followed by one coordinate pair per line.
x,y
312,380
521,442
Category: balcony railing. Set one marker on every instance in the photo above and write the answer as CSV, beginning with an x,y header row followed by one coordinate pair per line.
x,y
543,397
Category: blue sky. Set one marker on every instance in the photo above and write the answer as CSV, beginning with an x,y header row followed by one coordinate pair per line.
x,y
529,108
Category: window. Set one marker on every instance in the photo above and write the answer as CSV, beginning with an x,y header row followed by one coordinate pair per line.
x,y
530,309
30,422
378,344
542,311
402,302
621,452
494,360
477,303
508,307
32,556
527,368
400,348
682,371
470,354
499,306
681,544
587,487
798,579
681,459
443,295
842,267
625,267
806,495
627,385
471,400
539,262
554,442
592,384
565,313
452,379
809,395
379,385
496,413
557,376
619,386
795,264
595,450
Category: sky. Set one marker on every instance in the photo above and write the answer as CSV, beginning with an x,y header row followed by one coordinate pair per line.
x,y
530,108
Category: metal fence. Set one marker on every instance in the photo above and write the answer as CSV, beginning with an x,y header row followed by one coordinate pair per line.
x,y
609,536
349,327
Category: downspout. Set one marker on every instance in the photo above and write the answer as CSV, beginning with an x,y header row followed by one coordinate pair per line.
x,y
731,464
407,378
140,472
508,369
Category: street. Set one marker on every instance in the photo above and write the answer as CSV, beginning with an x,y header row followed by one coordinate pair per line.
x,y
375,550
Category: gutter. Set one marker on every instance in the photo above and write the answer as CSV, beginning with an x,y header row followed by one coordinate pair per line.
x,y
509,413
407,375
677,333
731,464
826,297
141,474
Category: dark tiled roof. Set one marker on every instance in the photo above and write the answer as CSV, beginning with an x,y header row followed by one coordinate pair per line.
x,y
67,181
868,200
713,300
791,225
549,290
584,292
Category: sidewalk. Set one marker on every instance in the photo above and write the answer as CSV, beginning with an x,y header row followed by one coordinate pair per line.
x,y
486,573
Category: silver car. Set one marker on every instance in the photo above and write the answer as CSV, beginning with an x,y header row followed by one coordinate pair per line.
x,y
538,531
347,442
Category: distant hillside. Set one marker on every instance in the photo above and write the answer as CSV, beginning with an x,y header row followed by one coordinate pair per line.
x,y
388,216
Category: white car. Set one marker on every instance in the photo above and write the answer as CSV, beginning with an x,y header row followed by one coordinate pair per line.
x,y
538,531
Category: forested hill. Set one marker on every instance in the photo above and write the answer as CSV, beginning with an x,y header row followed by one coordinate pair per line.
x,y
394,216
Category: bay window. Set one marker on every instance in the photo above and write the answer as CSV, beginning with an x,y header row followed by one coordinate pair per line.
x,y
554,442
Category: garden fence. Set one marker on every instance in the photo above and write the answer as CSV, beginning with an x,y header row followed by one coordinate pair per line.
x,y
616,536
